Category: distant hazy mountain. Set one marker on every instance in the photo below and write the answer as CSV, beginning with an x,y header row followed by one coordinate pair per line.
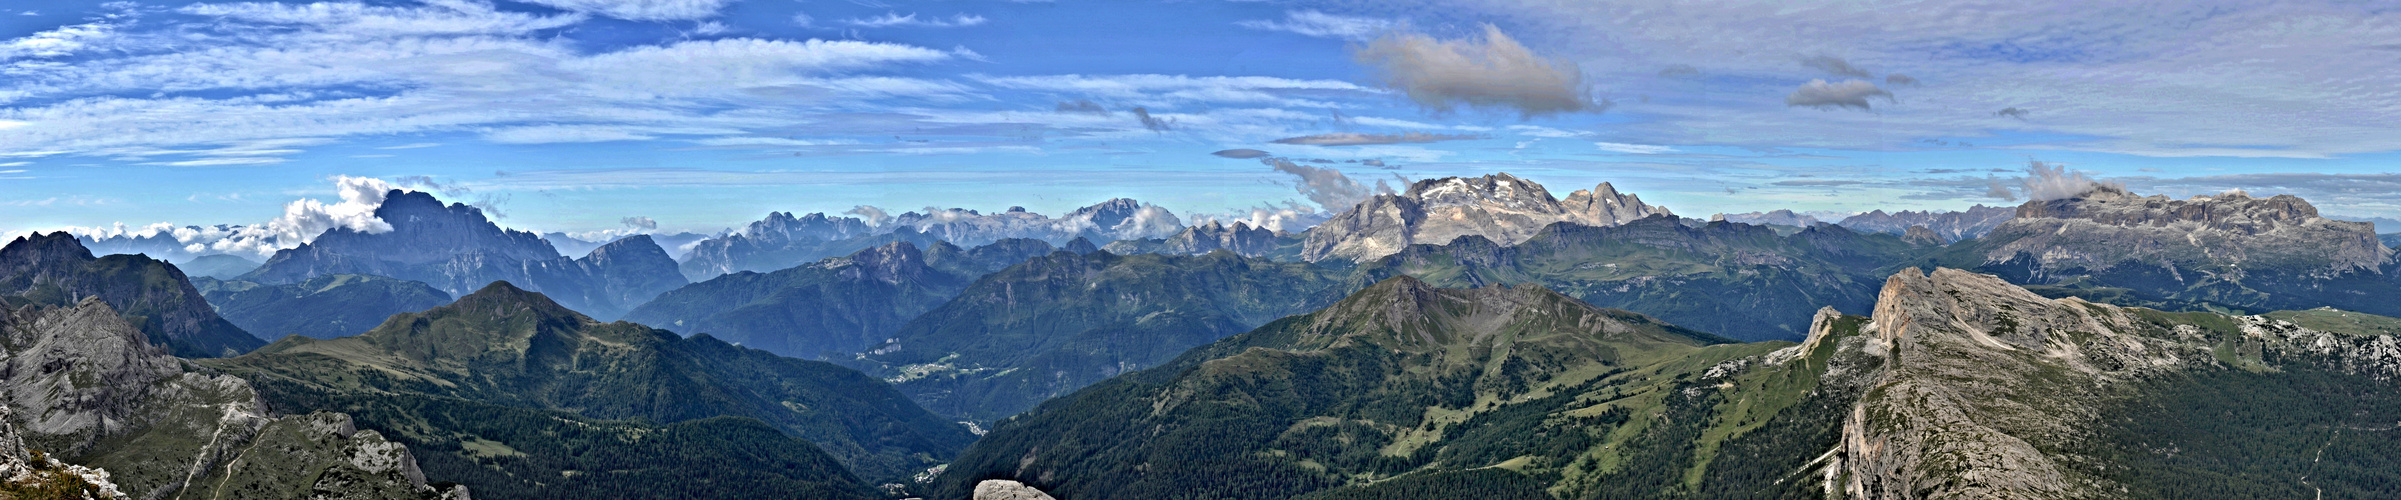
x,y
1777,217
2392,240
2206,252
1952,226
324,307
2383,224
456,249
834,307
1399,377
514,348
161,244
54,269
1056,323
783,240
87,388
218,266
1498,207
1738,280
1240,238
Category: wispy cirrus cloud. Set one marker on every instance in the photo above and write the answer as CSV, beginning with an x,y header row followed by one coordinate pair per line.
x,y
1323,25
894,19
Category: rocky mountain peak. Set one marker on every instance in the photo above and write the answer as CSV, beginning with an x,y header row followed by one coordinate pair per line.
x,y
1499,189
1499,207
2108,227
2230,211
39,250
893,262
1080,246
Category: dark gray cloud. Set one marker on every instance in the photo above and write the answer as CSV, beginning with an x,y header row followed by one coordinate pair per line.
x,y
1326,186
1492,73
638,222
1354,139
1848,94
1993,188
1241,154
1676,70
1155,124
1085,106
1835,65
1897,80
2012,112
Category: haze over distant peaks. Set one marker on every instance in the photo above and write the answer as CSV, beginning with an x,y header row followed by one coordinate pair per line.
x,y
1499,207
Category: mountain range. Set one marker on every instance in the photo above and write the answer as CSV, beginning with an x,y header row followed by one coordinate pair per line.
x,y
1952,226
782,240
1499,207
835,307
454,248
507,347
55,270
324,307
1959,385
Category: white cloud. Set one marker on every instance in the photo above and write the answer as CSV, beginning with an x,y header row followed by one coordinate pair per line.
x,y
1640,149
891,19
333,69
1323,25
56,42
351,19
547,134
1493,72
2051,181
1326,186
641,10
301,222
413,145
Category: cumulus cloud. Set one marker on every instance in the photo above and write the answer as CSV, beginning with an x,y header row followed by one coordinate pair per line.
x,y
1149,222
1290,217
1155,124
874,216
1848,94
1326,186
1356,139
1897,79
2044,182
893,19
1835,65
638,222
1241,154
1323,25
1675,70
2012,112
1494,72
640,10
1084,106
301,222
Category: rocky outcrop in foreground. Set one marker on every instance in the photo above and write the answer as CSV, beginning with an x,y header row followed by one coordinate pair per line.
x,y
87,388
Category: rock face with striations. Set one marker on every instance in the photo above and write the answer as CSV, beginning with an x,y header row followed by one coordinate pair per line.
x,y
54,269
456,249
2224,252
324,307
86,386
1986,390
2109,227
1498,207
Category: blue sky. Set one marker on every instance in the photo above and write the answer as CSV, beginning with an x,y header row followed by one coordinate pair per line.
x,y
573,115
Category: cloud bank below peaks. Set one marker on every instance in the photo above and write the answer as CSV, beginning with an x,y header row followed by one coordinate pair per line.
x,y
1494,72
302,221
